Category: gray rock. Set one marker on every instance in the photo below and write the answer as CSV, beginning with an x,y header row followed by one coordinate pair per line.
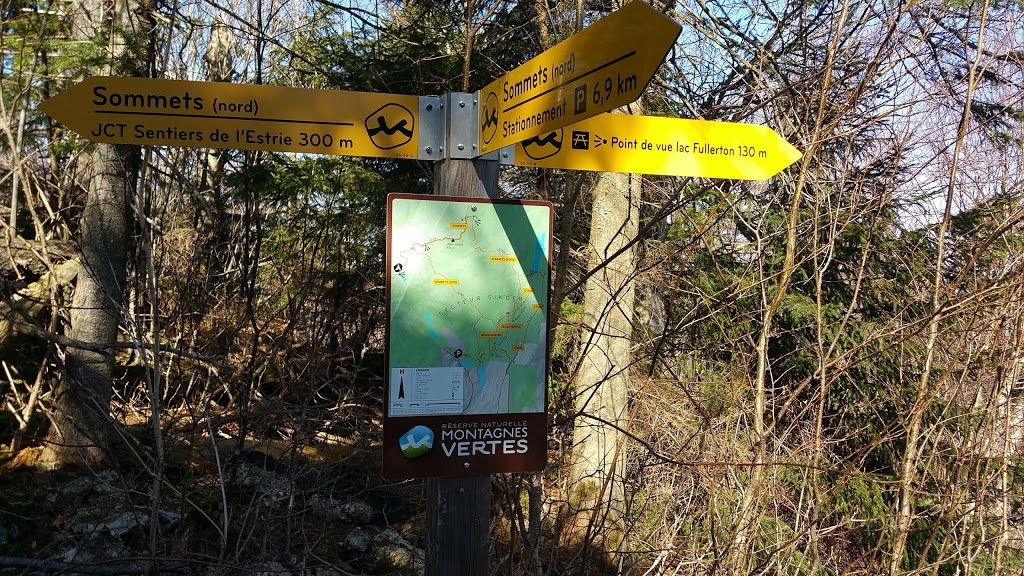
x,y
390,537
103,482
270,486
93,521
271,569
354,511
391,552
391,558
76,554
107,482
324,572
357,540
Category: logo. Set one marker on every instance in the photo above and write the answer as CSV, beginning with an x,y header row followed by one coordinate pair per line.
x,y
390,126
417,442
580,140
581,99
541,147
489,120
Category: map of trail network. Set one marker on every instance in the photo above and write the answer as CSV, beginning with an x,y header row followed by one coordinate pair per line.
x,y
468,290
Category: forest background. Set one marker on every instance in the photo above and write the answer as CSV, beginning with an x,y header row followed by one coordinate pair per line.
x,y
815,374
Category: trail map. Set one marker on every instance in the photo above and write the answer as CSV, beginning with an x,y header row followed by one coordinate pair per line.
x,y
468,296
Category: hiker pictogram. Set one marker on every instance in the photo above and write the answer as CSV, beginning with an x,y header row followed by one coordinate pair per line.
x,y
489,123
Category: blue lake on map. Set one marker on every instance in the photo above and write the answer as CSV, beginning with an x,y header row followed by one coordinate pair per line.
x,y
430,326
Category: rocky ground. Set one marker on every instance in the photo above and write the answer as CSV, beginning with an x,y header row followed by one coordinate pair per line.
x,y
263,509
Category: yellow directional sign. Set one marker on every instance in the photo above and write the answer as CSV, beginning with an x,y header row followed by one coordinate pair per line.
x,y
664,146
248,117
597,70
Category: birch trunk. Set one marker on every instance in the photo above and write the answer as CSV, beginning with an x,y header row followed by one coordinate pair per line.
x,y
603,376
81,417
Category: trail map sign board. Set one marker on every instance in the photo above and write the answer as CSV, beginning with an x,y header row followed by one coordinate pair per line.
x,y
605,66
663,146
466,385
148,111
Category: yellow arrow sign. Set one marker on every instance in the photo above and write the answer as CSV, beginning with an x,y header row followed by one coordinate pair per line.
x,y
663,146
248,117
597,70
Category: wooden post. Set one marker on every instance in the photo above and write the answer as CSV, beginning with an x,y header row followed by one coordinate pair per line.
x,y
458,526
458,508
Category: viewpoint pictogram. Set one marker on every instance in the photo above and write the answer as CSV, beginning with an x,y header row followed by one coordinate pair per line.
x,y
541,147
390,126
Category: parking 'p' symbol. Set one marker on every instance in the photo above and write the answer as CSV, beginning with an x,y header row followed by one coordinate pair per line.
x,y
581,99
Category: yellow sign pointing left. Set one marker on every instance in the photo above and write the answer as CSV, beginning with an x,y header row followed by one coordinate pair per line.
x,y
146,111
662,146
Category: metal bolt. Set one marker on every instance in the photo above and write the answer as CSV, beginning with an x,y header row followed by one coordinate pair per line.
x,y
430,107
462,490
466,465
430,150
504,154
462,146
462,104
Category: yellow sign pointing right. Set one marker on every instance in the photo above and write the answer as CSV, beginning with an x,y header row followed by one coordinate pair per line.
x,y
607,65
661,146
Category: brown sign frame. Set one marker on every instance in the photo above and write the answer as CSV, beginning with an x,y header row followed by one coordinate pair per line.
x,y
465,444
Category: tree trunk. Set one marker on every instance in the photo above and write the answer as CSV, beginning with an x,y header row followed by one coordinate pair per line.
x,y
81,416
908,466
603,376
82,402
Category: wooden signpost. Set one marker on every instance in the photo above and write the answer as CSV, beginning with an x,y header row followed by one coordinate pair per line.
x,y
445,422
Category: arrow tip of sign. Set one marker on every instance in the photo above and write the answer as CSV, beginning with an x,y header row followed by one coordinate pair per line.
x,y
45,107
789,152
57,106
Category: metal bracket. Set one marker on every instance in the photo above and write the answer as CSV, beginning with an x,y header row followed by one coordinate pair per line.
x,y
432,128
463,124
507,155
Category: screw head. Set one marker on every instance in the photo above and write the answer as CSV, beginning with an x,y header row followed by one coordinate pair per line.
x,y
466,465
462,146
430,106
462,104
430,150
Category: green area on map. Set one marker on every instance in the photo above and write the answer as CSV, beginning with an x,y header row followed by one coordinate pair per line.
x,y
469,288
